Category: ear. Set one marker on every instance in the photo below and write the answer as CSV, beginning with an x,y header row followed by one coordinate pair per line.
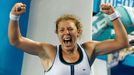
x,y
79,33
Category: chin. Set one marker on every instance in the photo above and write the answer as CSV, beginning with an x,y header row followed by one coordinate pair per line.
x,y
68,48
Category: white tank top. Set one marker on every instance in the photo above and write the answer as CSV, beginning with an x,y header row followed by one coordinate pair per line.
x,y
61,67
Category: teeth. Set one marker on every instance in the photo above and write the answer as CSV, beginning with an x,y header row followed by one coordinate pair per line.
x,y
67,42
67,39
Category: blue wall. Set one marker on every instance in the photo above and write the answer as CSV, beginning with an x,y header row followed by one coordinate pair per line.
x,y
10,57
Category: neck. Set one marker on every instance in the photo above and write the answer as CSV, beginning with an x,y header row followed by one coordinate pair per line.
x,y
71,51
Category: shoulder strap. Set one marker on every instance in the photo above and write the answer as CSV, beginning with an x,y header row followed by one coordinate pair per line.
x,y
92,58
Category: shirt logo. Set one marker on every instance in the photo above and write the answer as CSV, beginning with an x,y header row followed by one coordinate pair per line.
x,y
84,69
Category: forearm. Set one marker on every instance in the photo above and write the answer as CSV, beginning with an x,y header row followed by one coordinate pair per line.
x,y
14,32
120,32
13,29
121,38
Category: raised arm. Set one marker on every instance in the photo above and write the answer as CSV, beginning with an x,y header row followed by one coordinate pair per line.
x,y
17,40
121,38
95,48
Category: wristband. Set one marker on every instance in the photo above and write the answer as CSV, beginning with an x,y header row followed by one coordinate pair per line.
x,y
114,15
14,17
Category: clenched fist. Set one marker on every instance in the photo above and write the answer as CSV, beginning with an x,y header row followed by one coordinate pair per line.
x,y
18,9
107,8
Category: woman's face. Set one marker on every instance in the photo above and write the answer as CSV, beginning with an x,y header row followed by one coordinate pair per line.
x,y
67,34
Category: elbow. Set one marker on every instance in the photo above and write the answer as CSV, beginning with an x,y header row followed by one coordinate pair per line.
x,y
125,44
14,42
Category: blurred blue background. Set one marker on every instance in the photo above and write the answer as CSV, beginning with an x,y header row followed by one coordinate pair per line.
x,y
10,57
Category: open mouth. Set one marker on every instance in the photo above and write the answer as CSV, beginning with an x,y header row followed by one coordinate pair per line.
x,y
67,41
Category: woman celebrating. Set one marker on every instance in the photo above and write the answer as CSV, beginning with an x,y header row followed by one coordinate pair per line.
x,y
68,58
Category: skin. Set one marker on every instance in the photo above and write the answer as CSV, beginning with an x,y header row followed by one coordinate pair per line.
x,y
66,31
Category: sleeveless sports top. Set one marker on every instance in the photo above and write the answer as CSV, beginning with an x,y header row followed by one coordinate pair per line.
x,y
61,67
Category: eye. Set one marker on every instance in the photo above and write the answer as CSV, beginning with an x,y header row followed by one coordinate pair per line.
x,y
61,30
70,29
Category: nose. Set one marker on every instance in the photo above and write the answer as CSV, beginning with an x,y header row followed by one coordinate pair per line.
x,y
66,32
